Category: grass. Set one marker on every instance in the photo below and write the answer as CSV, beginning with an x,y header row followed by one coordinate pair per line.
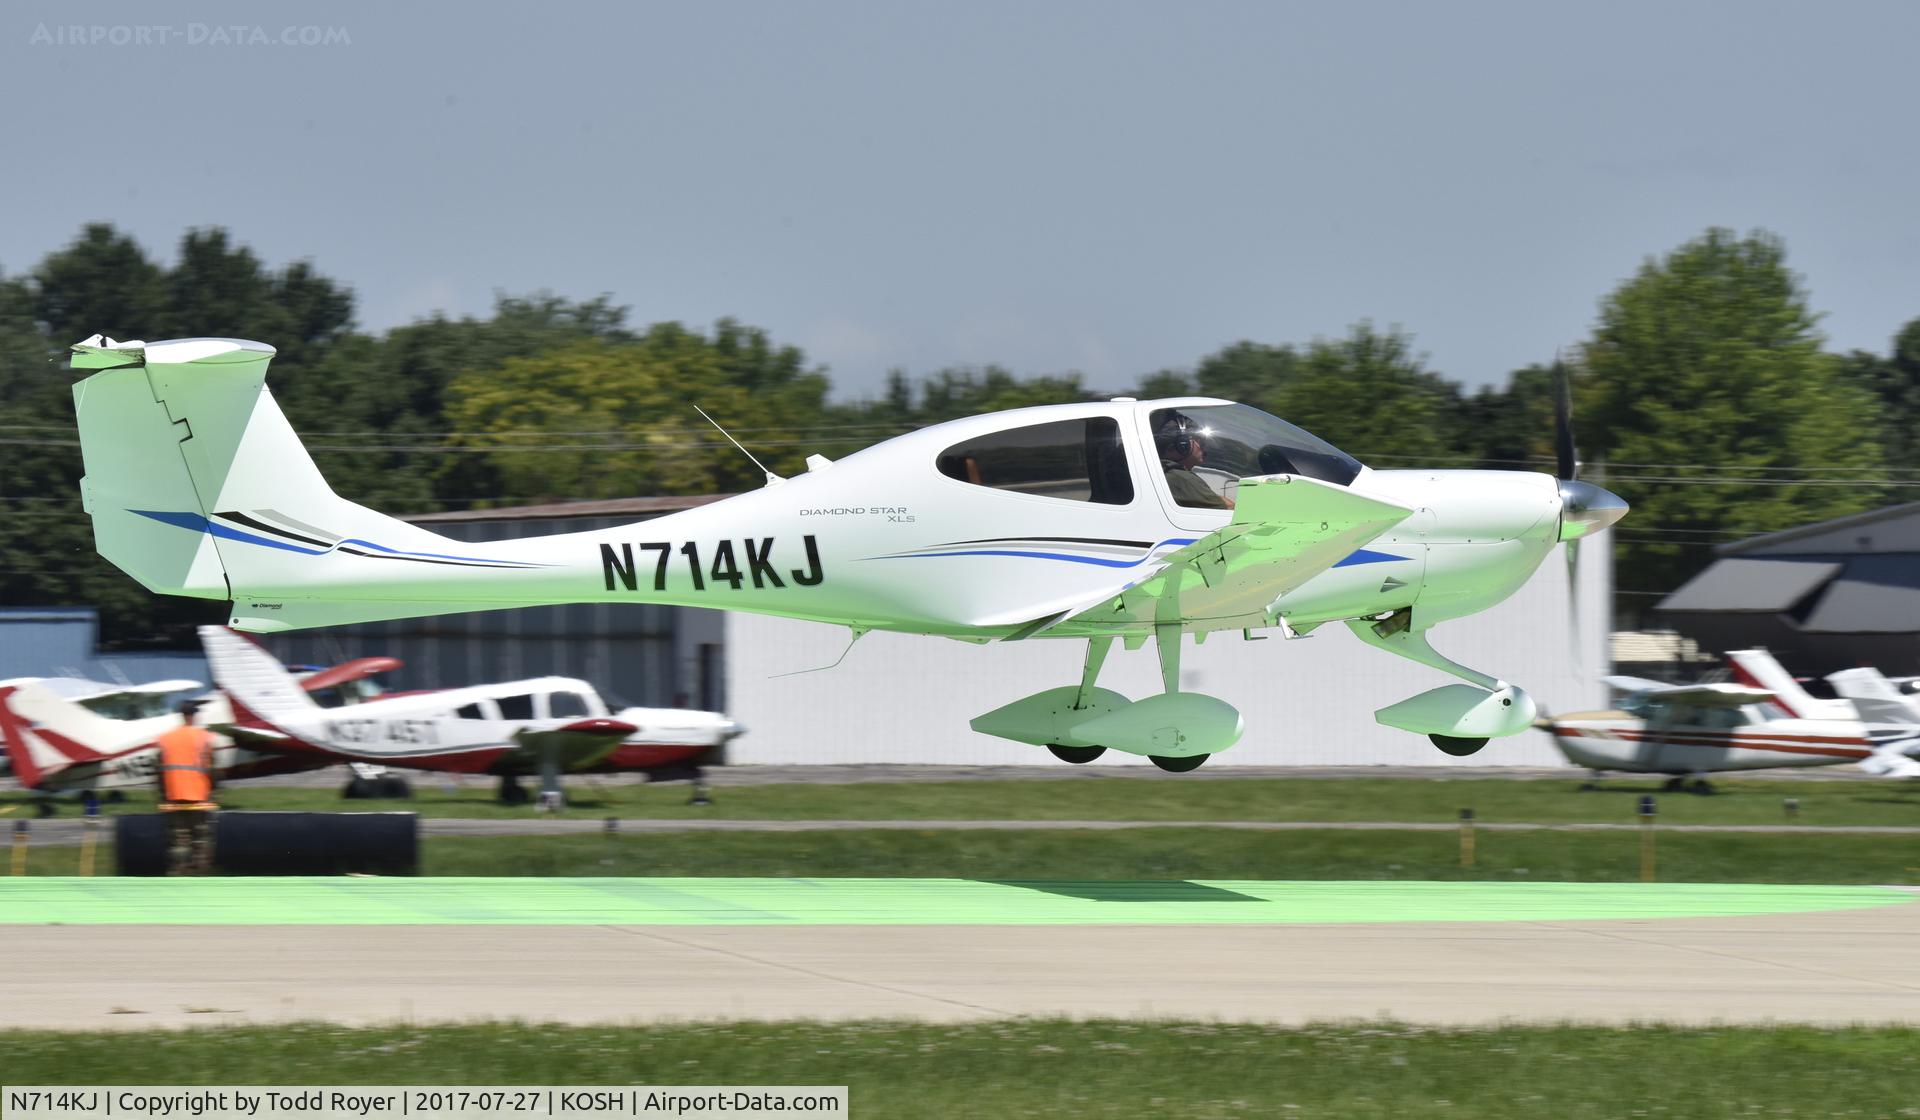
x,y
1158,798
1177,853
1042,1068
1157,853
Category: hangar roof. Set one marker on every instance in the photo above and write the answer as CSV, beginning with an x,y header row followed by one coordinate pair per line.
x,y
1876,595
1889,529
1751,585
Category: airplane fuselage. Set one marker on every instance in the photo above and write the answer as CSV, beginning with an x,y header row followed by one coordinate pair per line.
x,y
1618,741
884,540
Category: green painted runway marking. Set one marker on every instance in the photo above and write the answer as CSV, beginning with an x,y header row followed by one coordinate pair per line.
x,y
609,901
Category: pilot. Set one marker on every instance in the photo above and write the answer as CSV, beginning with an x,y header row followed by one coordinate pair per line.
x,y
1182,447
186,792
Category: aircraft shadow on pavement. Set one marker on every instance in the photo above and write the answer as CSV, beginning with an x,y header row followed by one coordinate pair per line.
x,y
1162,890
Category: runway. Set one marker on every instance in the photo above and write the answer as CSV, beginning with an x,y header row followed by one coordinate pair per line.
x,y
615,951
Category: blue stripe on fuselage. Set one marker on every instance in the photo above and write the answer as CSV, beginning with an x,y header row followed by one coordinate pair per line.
x,y
200,524
1368,556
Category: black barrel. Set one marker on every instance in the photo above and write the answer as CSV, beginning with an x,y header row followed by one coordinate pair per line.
x,y
247,843
140,844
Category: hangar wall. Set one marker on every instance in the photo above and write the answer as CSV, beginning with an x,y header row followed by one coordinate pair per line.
x,y
1309,702
64,642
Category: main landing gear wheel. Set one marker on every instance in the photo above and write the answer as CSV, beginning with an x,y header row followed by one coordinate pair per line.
x,y
511,792
1076,755
1456,746
1177,765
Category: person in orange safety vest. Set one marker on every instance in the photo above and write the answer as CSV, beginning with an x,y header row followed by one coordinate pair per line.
x,y
186,792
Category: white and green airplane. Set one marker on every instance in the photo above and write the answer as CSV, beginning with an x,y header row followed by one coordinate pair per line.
x,y
1124,519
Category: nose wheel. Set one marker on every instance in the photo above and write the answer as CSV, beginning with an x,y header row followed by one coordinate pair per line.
x,y
1079,756
1456,746
1177,765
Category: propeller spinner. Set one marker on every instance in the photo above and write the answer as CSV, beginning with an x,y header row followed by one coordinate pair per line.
x,y
1585,509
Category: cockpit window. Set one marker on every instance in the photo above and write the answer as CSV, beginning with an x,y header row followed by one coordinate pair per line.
x,y
562,705
1079,460
1206,451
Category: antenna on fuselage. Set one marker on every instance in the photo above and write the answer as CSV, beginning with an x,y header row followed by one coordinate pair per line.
x,y
772,479
855,633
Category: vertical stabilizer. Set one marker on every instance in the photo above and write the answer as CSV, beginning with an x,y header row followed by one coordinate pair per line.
x,y
253,679
1756,668
1876,697
45,733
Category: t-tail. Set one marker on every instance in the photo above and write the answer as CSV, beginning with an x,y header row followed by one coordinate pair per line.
x,y
198,486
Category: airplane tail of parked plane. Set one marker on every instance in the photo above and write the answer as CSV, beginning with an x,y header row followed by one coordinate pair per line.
x,y
45,734
1876,697
1756,668
1879,702
253,679
198,486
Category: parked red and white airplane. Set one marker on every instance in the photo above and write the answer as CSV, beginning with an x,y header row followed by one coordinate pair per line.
x,y
57,740
1762,720
545,726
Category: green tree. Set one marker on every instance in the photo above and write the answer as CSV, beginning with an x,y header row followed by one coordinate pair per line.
x,y
1704,372
1367,393
600,418
952,393
1249,372
1511,427
1894,382
102,283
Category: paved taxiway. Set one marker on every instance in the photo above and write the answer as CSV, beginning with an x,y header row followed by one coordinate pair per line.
x,y
1822,966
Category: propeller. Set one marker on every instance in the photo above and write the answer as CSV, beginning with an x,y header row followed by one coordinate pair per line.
x,y
1585,509
1566,464
1566,468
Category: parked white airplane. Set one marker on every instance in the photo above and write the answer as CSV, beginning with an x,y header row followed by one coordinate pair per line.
x,y
546,726
1129,520
1766,720
56,744
114,701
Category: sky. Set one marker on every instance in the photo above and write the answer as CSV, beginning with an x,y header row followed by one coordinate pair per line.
x,y
1106,187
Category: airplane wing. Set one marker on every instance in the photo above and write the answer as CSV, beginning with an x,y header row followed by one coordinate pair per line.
x,y
346,672
1694,695
1635,684
1285,530
580,742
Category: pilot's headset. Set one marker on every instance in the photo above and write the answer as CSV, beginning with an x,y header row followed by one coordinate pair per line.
x,y
1175,436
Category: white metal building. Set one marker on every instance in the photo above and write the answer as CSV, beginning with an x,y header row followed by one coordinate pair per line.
x,y
899,698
